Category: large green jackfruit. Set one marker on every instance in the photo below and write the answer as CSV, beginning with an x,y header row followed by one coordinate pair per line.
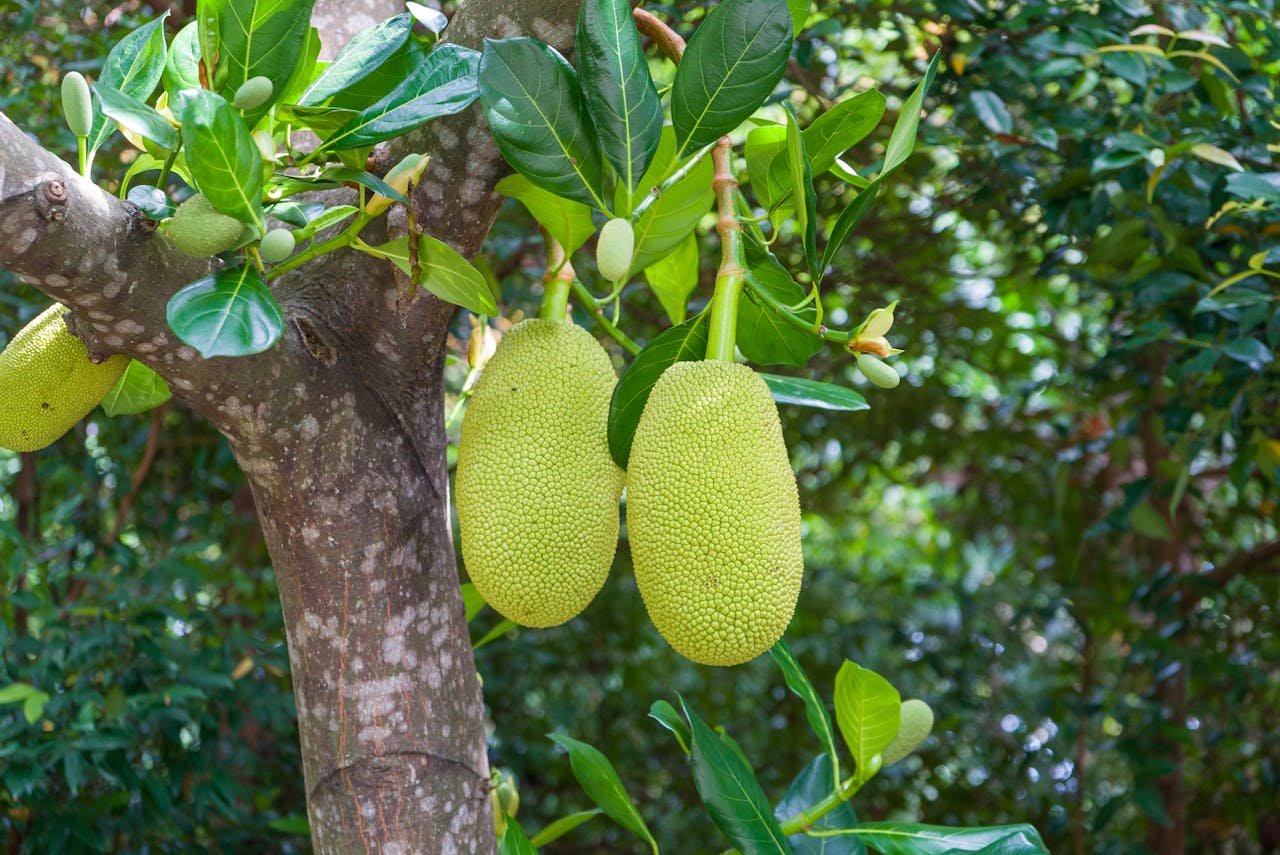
x,y
713,514
537,490
47,382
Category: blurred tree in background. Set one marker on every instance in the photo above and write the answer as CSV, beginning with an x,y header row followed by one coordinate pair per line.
x,y
1061,530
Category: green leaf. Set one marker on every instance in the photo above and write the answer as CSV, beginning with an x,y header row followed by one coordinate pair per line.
x,y
811,786
367,51
1145,520
763,337
563,826
814,709
139,389
674,277
15,692
910,838
500,629
304,69
729,68
767,167
472,602
181,64
329,218
536,113
365,179
291,825
684,343
222,156
733,796
665,714
567,221
445,273
617,87
135,116
842,127
151,201
868,710
33,706
602,785
799,13
801,392
260,38
231,313
848,221
903,139
514,841
803,196
134,66
444,83
676,211
991,111
1250,351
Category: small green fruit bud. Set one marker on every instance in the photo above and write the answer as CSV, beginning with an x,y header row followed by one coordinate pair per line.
x,y
402,176
877,372
253,93
277,245
917,722
615,248
202,230
77,104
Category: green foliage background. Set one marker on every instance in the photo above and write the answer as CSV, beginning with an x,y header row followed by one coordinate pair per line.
x,y
993,536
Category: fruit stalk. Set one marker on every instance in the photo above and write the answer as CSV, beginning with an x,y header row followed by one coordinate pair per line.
x,y
729,280
556,283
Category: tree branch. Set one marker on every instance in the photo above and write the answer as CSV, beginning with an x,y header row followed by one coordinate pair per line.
x,y
1264,556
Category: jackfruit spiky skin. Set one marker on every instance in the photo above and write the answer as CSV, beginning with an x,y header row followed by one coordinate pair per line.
x,y
713,514
202,230
537,491
47,382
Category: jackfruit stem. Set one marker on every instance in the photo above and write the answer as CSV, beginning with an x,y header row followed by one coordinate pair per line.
x,y
722,336
556,283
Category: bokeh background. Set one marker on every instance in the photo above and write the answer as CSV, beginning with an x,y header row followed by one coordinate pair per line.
x,y
1060,530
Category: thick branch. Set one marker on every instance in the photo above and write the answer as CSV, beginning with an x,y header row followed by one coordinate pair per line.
x,y
1264,556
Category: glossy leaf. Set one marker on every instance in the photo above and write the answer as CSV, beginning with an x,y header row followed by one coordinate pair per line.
x,y
360,57
304,69
842,127
910,838
472,602
444,272
151,201
224,160
602,785
868,710
678,209
367,180
729,68
617,88
799,13
134,66
181,64
327,219
139,389
801,392
683,343
848,221
903,139
764,337
767,166
231,313
664,714
514,841
991,111
563,826
444,83
260,38
537,114
567,221
811,786
815,710
674,277
731,793
133,115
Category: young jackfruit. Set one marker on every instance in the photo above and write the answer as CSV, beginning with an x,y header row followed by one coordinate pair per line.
x,y
713,514
49,383
537,490
916,724
202,230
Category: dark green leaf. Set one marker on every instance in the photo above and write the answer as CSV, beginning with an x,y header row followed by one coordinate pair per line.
x,y
567,221
842,127
903,138
364,54
134,66
367,180
664,714
763,337
811,786
814,708
813,393
602,785
151,201
674,277
323,120
1251,185
135,116
729,789
869,712
848,221
909,838
803,196
616,85
684,343
181,65
223,158
1250,351
514,841
444,83
260,38
730,67
445,273
991,111
536,112
231,313
563,826
139,389
291,825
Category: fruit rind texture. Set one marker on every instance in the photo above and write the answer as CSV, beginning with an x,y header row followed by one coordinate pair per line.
x,y
713,513
916,724
48,383
197,228
537,491
615,249
77,104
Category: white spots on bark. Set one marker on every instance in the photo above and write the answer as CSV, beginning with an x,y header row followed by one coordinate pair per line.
x,y
554,33
129,327
23,242
181,382
309,427
188,354
56,280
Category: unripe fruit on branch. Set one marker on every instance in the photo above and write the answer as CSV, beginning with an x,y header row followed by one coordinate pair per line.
x,y
77,104
713,513
402,176
253,93
615,248
202,230
49,383
277,245
917,722
878,372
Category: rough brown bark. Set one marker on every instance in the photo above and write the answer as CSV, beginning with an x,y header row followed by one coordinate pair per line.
x,y
339,430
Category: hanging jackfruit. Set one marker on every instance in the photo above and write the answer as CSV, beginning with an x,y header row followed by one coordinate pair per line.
x,y
713,514
916,724
537,491
47,382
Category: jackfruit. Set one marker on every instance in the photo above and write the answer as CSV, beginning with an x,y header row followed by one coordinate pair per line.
x,y
537,491
202,230
916,724
277,245
49,383
615,249
77,104
713,513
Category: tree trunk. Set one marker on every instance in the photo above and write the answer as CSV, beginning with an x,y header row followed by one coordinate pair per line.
x,y
339,430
